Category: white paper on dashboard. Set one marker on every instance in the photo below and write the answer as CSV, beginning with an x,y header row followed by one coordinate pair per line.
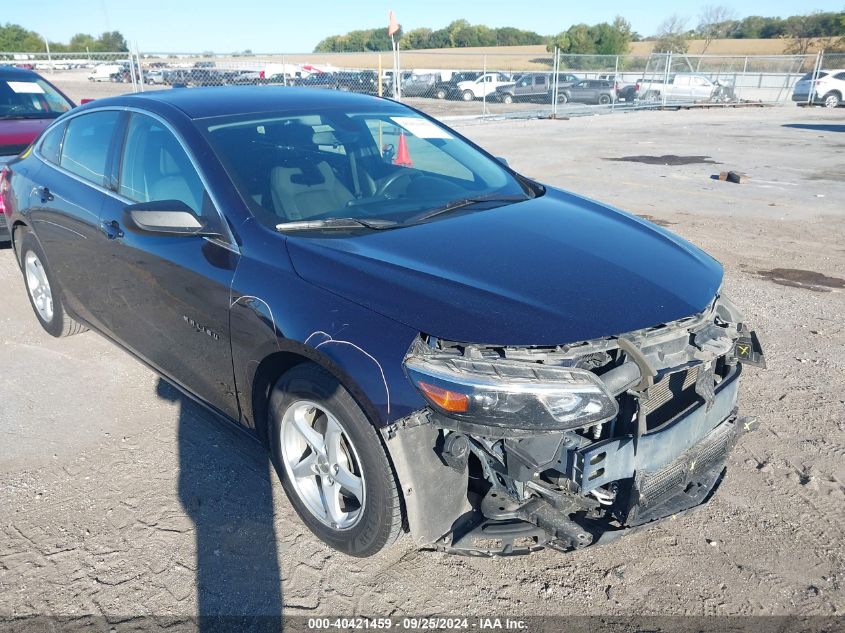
x,y
25,87
421,127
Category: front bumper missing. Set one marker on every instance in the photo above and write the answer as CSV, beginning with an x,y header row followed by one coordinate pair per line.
x,y
686,483
621,458
666,472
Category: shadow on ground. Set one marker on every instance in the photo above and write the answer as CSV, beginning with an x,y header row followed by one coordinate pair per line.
x,y
818,127
225,487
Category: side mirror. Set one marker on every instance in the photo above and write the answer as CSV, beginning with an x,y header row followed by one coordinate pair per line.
x,y
503,160
165,218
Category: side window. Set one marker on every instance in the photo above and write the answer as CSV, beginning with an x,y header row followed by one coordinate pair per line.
x,y
51,146
541,80
86,144
155,167
839,76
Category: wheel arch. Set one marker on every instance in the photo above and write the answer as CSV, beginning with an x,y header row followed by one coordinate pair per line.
x,y
16,231
291,354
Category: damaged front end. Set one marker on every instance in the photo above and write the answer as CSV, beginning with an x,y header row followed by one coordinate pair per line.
x,y
526,447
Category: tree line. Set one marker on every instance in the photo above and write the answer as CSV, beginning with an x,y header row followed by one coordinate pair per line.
x,y
458,34
15,38
720,22
608,38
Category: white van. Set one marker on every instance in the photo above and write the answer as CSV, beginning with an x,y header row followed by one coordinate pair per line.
x,y
104,72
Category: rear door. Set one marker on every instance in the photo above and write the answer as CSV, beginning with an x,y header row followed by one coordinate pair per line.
x,y
541,87
168,297
72,185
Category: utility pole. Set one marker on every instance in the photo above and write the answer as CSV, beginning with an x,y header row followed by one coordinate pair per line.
x,y
49,59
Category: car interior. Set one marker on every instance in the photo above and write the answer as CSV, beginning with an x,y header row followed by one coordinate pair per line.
x,y
297,170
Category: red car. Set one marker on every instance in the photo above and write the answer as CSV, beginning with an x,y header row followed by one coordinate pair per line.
x,y
28,104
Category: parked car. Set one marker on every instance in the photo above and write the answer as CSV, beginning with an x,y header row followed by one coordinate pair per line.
x,y
177,76
619,84
568,373
154,76
591,91
680,87
105,72
829,88
532,87
449,89
28,104
422,84
484,86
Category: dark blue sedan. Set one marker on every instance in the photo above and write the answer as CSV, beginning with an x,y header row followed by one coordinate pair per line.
x,y
424,339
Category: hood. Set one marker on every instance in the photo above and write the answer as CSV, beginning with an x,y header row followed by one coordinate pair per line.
x,y
17,134
552,270
467,84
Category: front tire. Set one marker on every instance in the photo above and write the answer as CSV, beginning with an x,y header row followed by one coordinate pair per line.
x,y
468,95
441,94
332,464
43,292
604,99
507,99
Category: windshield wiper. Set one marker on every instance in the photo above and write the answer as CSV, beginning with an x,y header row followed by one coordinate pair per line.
x,y
336,223
465,202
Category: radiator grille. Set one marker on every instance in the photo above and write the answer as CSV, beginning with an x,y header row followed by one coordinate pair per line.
x,y
669,396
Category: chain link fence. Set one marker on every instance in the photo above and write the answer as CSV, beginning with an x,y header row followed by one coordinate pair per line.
x,y
451,84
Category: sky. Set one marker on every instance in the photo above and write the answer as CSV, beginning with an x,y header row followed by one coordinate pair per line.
x,y
282,26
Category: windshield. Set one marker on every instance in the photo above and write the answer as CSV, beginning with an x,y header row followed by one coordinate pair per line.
x,y
391,165
30,98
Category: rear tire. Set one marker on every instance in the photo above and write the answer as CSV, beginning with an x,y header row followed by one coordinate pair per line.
x,y
44,294
335,471
831,100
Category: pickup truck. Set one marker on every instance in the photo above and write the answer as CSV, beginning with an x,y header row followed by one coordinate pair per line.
x,y
532,87
484,86
448,89
686,87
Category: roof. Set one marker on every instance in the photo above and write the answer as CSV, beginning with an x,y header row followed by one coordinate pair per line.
x,y
200,103
13,72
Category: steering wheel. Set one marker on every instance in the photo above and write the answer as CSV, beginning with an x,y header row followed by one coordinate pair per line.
x,y
391,180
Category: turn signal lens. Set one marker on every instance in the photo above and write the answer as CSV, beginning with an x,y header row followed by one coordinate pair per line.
x,y
445,399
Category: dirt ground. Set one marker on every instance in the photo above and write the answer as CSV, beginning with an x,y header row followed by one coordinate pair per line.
x,y
119,497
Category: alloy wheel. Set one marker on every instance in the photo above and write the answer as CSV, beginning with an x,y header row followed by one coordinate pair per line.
x,y
831,101
38,286
322,464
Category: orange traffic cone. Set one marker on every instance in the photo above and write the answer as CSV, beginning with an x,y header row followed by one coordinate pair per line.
x,y
403,158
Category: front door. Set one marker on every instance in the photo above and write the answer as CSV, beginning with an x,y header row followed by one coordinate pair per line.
x,y
168,299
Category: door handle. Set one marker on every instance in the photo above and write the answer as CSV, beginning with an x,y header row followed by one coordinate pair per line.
x,y
111,229
45,194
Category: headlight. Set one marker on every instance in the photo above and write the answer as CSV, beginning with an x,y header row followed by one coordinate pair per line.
x,y
514,395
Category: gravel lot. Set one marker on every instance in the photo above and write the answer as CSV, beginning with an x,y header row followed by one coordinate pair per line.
x,y
119,497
